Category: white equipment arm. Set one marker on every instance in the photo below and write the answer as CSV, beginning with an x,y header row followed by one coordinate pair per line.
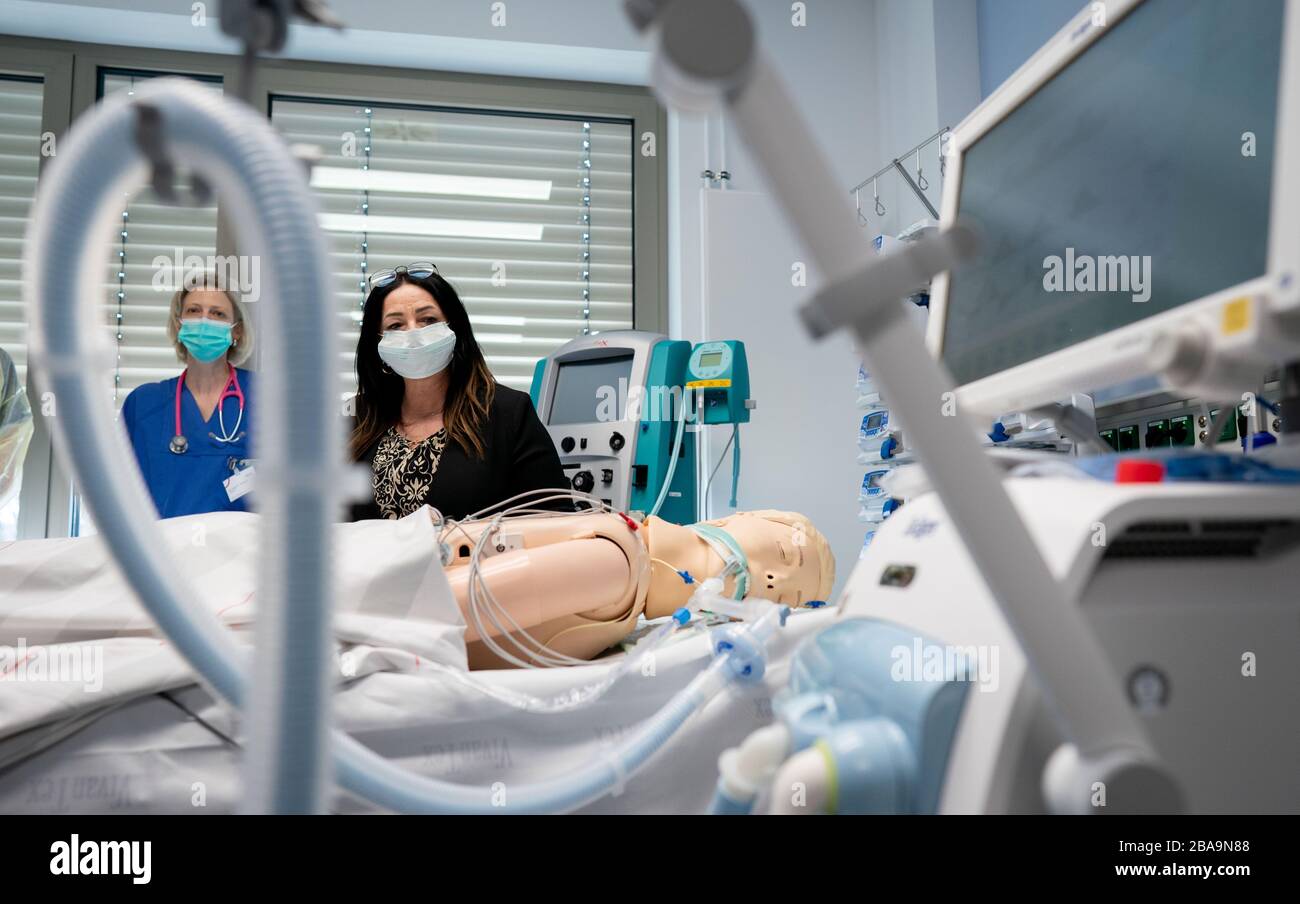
x,y
706,52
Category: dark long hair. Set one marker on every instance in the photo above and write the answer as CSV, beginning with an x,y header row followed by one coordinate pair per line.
x,y
379,393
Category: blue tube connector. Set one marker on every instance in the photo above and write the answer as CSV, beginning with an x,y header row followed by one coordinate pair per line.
x,y
723,804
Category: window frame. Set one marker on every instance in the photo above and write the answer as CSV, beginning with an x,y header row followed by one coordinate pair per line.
x,y
53,67
71,75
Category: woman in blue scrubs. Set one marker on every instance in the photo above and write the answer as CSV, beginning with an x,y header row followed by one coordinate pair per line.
x,y
191,433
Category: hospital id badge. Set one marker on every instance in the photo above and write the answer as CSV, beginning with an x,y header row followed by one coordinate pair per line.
x,y
239,484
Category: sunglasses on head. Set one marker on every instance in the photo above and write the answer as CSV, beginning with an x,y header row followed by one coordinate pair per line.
x,y
419,270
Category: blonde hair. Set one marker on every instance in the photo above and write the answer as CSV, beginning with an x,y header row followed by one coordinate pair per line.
x,y
241,350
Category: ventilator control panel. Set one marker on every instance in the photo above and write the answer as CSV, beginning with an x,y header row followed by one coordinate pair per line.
x,y
719,375
611,403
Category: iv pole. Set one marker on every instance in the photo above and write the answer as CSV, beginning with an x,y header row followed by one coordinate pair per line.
x,y
897,164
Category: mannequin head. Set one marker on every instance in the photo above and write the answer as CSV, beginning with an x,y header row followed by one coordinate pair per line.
x,y
790,561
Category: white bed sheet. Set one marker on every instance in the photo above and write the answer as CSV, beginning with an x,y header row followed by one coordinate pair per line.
x,y
65,600
178,751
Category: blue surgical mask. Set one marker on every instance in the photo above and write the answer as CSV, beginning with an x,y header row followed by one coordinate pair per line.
x,y
416,354
206,340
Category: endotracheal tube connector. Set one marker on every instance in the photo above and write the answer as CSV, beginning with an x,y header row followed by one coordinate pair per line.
x,y
709,597
745,770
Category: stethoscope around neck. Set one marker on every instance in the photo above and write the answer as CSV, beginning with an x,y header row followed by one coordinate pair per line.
x,y
179,444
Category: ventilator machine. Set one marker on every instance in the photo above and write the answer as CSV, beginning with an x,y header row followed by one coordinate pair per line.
x,y
617,405
1078,633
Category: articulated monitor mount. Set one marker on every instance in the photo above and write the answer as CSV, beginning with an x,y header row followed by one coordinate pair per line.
x,y
706,53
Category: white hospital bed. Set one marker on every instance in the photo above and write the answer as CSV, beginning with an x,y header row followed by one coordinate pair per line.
x,y
154,741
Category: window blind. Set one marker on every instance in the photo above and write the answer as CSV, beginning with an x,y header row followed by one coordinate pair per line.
x,y
529,217
20,160
146,256
20,139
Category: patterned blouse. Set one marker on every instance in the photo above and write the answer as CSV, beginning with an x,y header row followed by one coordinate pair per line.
x,y
402,471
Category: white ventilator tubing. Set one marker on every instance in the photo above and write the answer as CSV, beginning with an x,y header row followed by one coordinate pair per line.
x,y
79,205
707,47
672,458
260,184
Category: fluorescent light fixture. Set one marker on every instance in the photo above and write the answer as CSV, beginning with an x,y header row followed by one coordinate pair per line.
x,y
474,229
498,319
333,177
513,338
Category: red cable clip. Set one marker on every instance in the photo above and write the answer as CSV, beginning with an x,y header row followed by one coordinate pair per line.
x,y
1139,470
631,525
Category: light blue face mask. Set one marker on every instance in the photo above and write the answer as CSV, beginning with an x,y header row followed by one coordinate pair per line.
x,y
206,340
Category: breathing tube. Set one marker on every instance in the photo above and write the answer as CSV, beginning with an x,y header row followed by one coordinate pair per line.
x,y
732,554
735,463
264,189
672,458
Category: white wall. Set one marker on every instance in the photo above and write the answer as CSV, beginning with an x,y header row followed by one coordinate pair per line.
x,y
873,79
799,449
1011,31
927,71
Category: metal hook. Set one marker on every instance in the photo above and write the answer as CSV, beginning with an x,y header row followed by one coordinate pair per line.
x,y
921,182
263,27
875,193
149,139
857,201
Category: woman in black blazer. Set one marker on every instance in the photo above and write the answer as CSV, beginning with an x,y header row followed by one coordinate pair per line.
x,y
432,423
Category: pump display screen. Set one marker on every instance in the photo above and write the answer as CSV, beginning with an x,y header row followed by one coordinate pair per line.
x,y
711,359
583,387
1136,180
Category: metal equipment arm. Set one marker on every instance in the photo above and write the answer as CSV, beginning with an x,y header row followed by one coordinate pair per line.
x,y
706,52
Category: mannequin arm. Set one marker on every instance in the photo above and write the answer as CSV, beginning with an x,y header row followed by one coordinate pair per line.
x,y
548,582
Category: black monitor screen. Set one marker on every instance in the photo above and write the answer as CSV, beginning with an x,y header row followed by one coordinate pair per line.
x,y
581,387
1136,180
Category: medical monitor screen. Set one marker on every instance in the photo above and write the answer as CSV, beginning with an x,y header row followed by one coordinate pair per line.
x,y
581,387
1134,181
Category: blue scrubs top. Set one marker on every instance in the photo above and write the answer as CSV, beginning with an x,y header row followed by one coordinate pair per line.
x,y
189,483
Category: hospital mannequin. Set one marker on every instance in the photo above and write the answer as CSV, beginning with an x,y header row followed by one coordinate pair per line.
x,y
578,582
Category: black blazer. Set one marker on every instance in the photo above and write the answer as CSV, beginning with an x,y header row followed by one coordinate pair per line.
x,y
519,456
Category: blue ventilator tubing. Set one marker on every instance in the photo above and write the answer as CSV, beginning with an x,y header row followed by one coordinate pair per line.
x,y
672,459
291,748
723,804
